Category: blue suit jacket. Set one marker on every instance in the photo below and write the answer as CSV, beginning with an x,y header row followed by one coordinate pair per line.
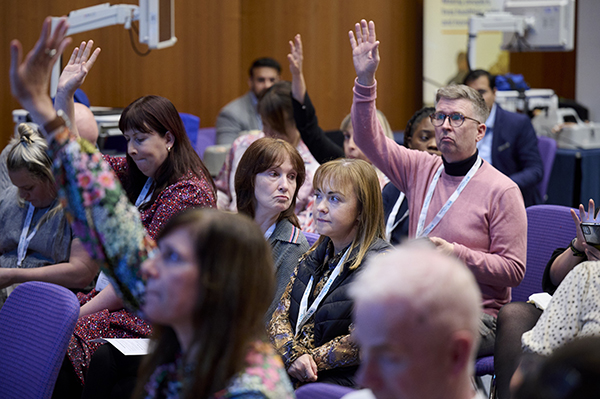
x,y
515,153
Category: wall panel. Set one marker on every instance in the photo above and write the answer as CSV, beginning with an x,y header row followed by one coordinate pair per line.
x,y
199,74
328,67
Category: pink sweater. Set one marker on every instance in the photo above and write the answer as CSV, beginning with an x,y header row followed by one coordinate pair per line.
x,y
487,224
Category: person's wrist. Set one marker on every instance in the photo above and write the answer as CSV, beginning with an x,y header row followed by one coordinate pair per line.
x,y
366,80
63,92
576,251
41,110
577,244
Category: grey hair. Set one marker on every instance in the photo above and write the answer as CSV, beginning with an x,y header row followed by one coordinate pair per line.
x,y
440,291
457,92
387,129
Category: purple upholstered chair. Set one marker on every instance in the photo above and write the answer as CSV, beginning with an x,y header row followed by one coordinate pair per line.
x,y
311,238
548,227
191,123
207,136
317,390
36,324
547,147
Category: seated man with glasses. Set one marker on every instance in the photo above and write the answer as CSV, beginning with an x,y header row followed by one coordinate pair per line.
x,y
460,202
510,143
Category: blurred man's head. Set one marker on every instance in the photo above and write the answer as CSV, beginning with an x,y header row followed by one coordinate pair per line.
x,y
264,72
416,321
484,83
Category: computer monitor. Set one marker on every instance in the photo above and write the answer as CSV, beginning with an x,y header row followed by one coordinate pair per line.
x,y
553,25
157,23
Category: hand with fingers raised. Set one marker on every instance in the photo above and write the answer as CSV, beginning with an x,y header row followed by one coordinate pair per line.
x,y
295,58
365,52
80,63
30,79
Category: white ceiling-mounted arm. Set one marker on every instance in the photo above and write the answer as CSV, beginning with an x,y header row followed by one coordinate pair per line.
x,y
157,24
496,21
91,18
101,16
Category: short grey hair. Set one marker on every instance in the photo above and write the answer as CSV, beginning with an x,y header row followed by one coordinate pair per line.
x,y
458,92
439,289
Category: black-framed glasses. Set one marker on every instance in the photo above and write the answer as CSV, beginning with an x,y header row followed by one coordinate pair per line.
x,y
456,119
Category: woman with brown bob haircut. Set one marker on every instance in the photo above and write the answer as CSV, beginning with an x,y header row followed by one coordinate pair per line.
x,y
311,325
275,109
267,181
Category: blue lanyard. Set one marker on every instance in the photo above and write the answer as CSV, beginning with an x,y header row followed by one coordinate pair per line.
x,y
26,237
146,194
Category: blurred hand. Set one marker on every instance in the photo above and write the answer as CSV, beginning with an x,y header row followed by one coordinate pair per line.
x,y
30,79
443,245
304,369
295,58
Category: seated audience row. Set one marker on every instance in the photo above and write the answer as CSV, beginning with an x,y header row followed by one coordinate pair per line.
x,y
419,135
205,305
198,352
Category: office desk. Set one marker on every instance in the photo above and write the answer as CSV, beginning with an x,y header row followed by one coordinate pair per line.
x,y
575,178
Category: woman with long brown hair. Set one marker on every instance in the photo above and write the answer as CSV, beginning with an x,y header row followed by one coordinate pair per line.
x,y
267,182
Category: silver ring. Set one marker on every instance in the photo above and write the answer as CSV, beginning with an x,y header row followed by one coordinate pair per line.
x,y
50,52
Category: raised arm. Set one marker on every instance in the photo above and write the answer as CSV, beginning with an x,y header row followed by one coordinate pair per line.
x,y
295,58
305,116
72,77
29,79
385,154
108,226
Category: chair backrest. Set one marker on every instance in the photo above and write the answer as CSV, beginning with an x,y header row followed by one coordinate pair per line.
x,y
191,123
319,390
547,148
207,136
36,324
311,237
548,227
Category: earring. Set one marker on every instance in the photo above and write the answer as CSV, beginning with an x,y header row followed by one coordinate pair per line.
x,y
168,149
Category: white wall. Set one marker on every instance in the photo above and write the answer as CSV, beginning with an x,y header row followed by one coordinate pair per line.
x,y
587,90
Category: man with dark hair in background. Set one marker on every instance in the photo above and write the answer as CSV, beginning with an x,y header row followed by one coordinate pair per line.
x,y
510,143
240,114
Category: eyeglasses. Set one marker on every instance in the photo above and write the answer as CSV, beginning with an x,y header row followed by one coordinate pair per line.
x,y
456,119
